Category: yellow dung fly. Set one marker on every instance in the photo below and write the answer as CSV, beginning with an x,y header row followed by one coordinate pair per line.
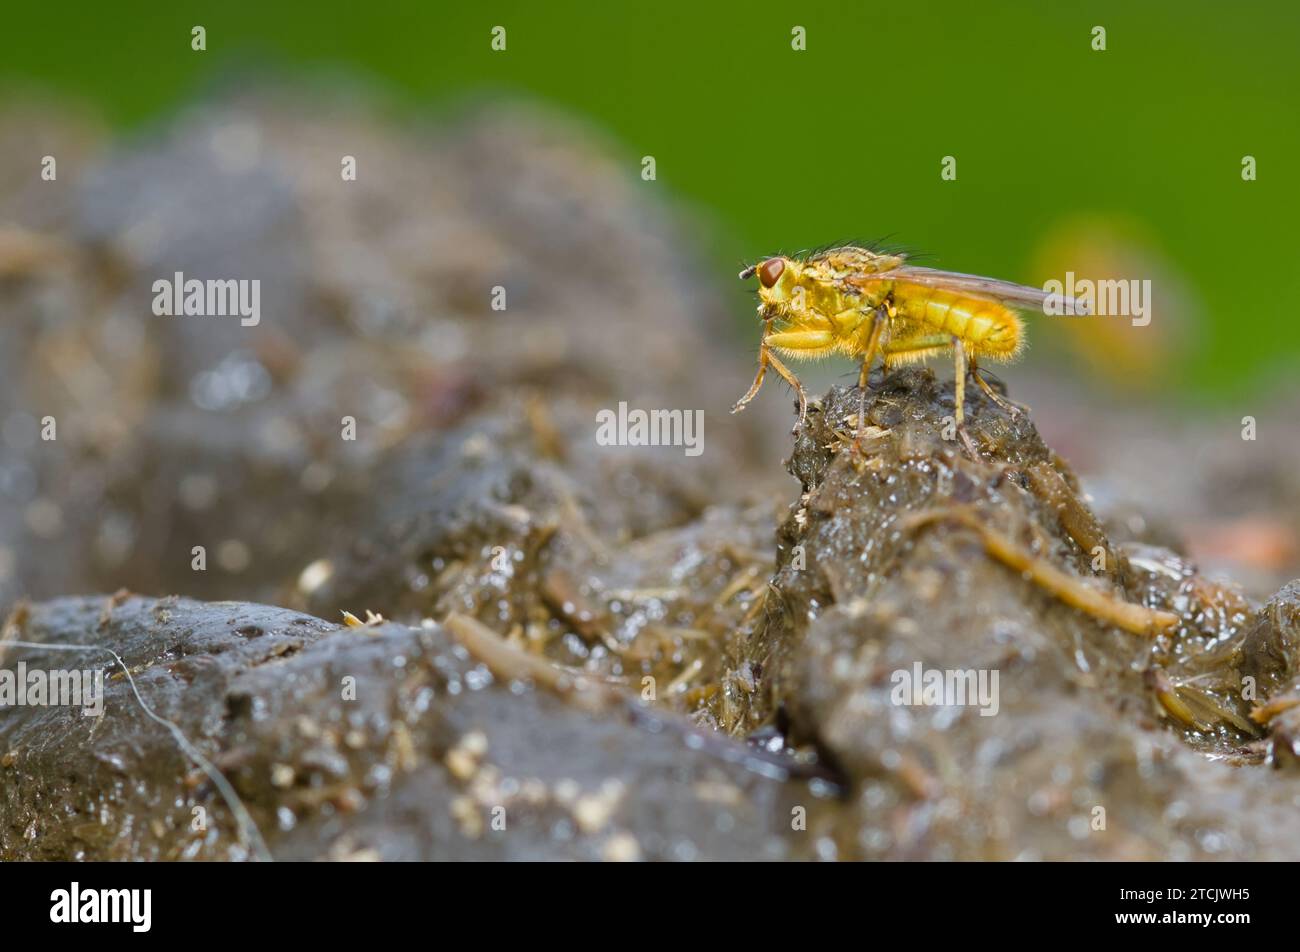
x,y
866,304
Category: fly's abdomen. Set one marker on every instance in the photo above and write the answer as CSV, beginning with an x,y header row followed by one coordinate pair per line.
x,y
986,326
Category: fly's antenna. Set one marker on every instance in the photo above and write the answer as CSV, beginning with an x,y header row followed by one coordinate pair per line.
x,y
748,272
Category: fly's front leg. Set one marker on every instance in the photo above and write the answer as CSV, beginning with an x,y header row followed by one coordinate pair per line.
x,y
793,381
812,343
764,356
765,359
758,380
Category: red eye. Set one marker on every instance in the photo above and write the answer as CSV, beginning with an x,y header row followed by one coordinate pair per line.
x,y
770,271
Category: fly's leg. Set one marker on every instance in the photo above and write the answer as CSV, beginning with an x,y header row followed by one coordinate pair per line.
x,y
758,380
765,359
879,319
959,349
1014,409
793,381
862,401
813,342
915,348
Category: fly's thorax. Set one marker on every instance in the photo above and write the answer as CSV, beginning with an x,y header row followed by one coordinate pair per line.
x,y
872,295
849,260
820,296
806,293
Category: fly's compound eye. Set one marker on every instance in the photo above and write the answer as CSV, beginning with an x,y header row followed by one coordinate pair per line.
x,y
769,272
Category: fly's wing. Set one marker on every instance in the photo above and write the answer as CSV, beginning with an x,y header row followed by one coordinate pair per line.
x,y
1015,295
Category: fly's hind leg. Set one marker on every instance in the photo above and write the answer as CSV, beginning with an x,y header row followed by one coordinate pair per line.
x,y
1015,409
959,349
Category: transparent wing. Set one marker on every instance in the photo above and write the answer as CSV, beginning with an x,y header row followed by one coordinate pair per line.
x,y
1016,295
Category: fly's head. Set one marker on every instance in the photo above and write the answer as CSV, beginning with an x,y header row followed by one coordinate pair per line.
x,y
780,286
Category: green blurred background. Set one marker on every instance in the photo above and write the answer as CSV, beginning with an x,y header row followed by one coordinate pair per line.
x,y
1122,163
